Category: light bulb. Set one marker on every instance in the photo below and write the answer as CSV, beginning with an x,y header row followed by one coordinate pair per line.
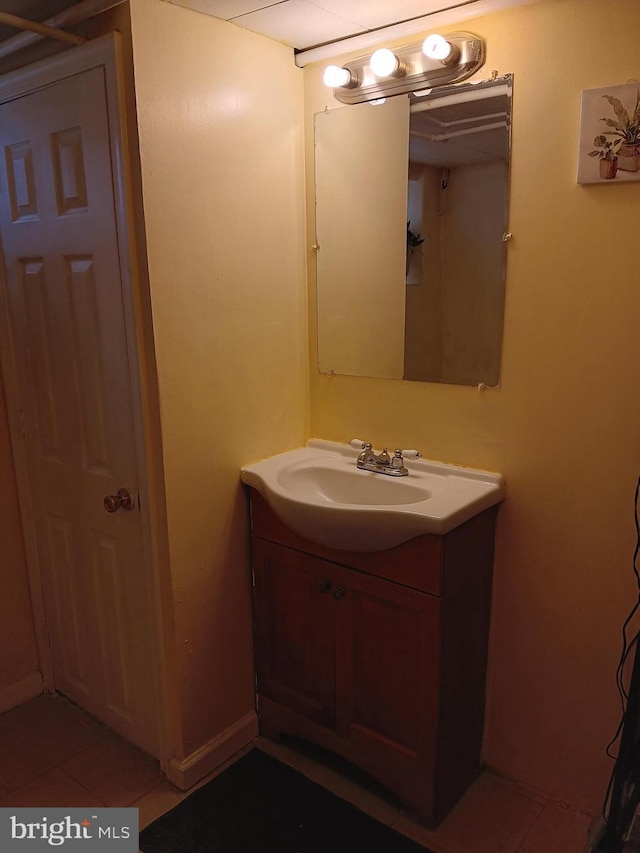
x,y
334,76
437,47
384,63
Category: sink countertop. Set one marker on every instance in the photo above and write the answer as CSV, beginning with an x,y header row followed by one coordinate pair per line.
x,y
320,494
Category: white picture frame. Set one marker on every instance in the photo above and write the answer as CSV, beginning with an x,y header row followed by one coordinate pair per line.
x,y
609,118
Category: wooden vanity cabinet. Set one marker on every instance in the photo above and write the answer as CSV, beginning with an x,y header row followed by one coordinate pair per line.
x,y
379,657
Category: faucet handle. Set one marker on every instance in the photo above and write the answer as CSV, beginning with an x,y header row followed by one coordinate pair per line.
x,y
408,454
358,444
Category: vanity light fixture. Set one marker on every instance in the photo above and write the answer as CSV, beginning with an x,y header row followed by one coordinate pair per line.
x,y
435,61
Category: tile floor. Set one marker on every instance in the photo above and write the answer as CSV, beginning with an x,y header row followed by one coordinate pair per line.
x,y
53,754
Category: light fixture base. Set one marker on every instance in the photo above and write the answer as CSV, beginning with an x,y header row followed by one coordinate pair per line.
x,y
422,72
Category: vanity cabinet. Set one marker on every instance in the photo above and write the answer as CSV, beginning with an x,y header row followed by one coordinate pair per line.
x,y
379,657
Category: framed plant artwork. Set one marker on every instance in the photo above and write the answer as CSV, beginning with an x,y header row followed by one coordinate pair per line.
x,y
610,135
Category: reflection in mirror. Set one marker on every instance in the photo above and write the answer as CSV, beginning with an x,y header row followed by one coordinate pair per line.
x,y
410,273
361,207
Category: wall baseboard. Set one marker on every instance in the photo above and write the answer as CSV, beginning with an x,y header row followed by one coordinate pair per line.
x,y
20,691
185,772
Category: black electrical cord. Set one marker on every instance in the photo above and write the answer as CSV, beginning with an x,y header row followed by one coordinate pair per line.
x,y
624,697
627,646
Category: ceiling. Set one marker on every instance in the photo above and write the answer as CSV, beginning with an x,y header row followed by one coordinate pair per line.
x,y
305,24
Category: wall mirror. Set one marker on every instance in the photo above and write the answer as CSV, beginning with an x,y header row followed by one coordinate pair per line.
x,y
411,221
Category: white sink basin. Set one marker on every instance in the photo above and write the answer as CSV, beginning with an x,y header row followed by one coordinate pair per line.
x,y
318,492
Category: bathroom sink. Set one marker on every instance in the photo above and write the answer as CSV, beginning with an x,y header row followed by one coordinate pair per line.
x,y
318,492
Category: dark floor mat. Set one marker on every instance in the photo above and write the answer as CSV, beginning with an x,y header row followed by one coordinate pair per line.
x,y
259,805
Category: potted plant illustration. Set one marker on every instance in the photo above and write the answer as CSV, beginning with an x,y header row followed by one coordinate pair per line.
x,y
625,126
413,241
605,149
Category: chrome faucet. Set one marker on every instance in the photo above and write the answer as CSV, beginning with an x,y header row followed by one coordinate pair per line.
x,y
383,463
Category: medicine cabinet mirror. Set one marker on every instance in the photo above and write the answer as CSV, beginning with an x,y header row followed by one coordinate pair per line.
x,y
411,221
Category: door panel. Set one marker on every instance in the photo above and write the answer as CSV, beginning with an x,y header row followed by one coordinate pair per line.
x,y
65,582
68,325
387,680
295,631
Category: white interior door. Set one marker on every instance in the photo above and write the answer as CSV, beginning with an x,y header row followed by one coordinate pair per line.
x,y
70,350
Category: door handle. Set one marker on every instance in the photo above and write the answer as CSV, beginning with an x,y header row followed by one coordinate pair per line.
x,y
123,500
324,587
339,593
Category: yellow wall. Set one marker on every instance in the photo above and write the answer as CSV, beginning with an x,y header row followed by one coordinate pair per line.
x,y
564,427
221,147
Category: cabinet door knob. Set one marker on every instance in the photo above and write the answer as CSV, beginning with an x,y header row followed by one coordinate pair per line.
x,y
339,593
325,586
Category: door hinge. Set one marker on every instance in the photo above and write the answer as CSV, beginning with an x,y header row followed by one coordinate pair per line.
x,y
21,425
47,634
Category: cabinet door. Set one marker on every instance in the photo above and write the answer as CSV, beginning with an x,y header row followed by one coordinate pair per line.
x,y
295,630
388,671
